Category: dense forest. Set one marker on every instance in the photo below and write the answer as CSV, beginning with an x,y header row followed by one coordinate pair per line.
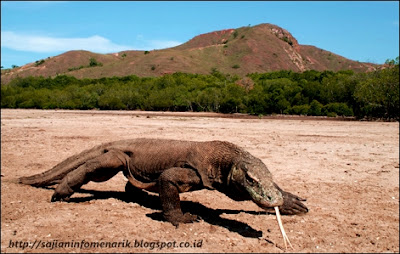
x,y
327,93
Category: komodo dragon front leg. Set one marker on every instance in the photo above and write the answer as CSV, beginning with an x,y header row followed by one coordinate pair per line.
x,y
98,169
172,182
291,203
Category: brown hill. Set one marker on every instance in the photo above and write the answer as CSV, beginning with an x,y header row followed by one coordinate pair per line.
x,y
261,48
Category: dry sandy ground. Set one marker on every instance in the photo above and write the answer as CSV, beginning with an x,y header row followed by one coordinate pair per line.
x,y
347,170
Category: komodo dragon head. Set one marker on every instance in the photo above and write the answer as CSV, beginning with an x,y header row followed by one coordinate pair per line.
x,y
253,177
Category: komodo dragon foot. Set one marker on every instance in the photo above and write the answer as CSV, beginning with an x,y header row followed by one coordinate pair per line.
x,y
292,204
176,217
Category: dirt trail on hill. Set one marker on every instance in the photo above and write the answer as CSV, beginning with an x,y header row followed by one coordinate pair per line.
x,y
347,170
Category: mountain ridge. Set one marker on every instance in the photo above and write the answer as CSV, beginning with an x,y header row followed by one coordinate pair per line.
x,y
260,48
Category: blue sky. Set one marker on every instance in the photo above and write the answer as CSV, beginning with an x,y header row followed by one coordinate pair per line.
x,y
365,31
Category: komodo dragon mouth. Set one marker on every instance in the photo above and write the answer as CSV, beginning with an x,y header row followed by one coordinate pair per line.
x,y
257,182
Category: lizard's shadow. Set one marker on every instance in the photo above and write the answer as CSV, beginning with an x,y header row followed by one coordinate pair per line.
x,y
152,201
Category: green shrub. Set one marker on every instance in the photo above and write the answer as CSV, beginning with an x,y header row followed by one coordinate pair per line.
x,y
299,110
315,108
340,109
235,34
331,114
37,63
93,62
287,40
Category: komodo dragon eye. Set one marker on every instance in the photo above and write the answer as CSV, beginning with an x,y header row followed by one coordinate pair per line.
x,y
250,180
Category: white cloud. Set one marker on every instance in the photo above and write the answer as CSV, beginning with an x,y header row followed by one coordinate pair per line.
x,y
46,44
32,43
158,44
145,44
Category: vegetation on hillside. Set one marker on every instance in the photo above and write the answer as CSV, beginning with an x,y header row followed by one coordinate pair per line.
x,y
92,63
327,93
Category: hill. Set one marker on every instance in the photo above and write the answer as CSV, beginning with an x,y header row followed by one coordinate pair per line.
x,y
261,48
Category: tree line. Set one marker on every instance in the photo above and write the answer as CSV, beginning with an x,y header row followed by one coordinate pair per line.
x,y
326,93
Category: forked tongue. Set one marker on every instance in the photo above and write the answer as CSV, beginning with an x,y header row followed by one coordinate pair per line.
x,y
278,218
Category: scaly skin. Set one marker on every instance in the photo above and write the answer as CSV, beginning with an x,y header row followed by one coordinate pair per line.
x,y
170,167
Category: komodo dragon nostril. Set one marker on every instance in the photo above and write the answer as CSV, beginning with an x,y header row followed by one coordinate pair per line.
x,y
269,198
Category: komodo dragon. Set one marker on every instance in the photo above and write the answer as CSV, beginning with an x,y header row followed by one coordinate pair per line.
x,y
170,167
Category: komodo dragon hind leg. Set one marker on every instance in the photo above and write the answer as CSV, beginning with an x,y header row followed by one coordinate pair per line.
x,y
172,182
98,169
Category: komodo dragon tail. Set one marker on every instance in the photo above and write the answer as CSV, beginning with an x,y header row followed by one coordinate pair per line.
x,y
55,174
